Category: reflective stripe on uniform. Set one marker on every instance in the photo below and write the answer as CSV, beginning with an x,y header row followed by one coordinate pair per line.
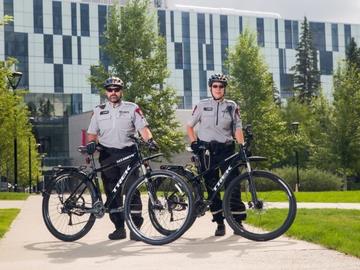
x,y
215,212
238,212
135,211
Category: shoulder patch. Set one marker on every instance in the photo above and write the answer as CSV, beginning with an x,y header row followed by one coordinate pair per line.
x,y
139,111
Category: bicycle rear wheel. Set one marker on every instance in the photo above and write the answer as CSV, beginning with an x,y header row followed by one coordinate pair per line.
x,y
271,217
66,204
163,201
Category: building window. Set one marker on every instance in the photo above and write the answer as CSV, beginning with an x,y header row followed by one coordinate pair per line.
x,y
84,16
57,18
335,37
162,22
260,32
38,16
172,26
73,19
276,33
48,49
326,63
295,34
178,56
58,78
318,35
240,25
79,50
9,10
67,50
288,35
347,32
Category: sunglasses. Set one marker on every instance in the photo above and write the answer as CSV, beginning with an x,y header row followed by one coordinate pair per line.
x,y
116,90
218,86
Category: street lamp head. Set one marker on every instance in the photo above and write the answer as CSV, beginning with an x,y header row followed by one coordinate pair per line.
x,y
14,79
295,126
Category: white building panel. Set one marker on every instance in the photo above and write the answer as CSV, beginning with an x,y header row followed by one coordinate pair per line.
x,y
47,17
58,49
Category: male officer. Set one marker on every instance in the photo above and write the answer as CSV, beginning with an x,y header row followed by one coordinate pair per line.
x,y
111,124
219,122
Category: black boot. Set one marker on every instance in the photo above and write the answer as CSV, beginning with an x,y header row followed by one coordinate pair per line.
x,y
118,234
220,230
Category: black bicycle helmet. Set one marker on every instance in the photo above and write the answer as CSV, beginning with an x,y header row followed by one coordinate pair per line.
x,y
217,78
113,82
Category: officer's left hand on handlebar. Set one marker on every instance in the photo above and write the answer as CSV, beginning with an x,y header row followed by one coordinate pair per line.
x,y
153,146
91,147
242,152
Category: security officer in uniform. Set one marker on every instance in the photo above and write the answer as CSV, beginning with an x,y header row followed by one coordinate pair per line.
x,y
110,126
219,122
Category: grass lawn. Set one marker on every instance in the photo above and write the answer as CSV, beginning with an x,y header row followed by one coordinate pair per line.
x,y
6,218
332,228
13,196
324,197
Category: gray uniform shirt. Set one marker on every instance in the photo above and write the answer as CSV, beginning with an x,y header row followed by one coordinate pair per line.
x,y
214,120
113,125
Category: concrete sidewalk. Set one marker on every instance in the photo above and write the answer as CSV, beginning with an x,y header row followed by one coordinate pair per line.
x,y
28,245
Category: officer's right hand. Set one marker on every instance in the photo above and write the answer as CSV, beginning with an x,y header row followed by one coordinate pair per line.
x,y
195,147
91,147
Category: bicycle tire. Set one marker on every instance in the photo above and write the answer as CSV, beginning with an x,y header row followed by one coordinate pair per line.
x,y
169,218
271,218
68,222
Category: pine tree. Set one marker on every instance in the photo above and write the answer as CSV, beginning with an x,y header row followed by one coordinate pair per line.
x,y
353,54
306,72
251,87
137,55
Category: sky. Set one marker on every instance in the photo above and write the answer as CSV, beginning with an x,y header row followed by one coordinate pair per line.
x,y
340,11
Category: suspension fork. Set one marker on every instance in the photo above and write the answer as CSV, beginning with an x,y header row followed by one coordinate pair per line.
x,y
251,183
149,185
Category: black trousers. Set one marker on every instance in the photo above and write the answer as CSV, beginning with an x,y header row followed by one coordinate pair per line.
x,y
111,176
216,153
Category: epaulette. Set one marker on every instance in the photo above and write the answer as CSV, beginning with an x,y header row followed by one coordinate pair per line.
x,y
128,103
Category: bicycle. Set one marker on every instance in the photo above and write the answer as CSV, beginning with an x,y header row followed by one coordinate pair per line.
x,y
73,201
270,203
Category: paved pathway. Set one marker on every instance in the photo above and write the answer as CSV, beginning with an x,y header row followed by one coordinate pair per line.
x,y
28,245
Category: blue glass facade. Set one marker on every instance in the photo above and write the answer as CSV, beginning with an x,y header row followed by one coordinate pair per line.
x,y
70,35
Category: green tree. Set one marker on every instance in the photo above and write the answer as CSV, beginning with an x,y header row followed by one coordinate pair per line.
x,y
138,56
251,86
46,109
353,54
14,123
306,72
346,120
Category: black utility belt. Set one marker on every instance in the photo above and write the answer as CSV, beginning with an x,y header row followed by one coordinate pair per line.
x,y
216,146
117,150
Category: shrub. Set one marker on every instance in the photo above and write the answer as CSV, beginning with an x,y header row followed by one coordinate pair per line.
x,y
310,179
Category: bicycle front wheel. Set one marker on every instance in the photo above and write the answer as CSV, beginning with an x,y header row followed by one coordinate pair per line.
x,y
270,216
158,208
66,204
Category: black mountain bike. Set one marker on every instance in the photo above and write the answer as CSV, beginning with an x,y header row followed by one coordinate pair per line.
x,y
73,200
270,203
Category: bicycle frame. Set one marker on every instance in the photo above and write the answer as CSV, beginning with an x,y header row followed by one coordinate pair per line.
x,y
134,161
234,164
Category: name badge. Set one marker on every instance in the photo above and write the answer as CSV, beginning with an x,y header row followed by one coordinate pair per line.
x,y
207,109
104,112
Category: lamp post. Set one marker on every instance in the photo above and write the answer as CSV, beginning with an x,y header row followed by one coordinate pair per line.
x,y
295,128
14,80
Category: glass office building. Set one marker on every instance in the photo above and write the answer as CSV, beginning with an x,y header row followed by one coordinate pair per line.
x,y
56,42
